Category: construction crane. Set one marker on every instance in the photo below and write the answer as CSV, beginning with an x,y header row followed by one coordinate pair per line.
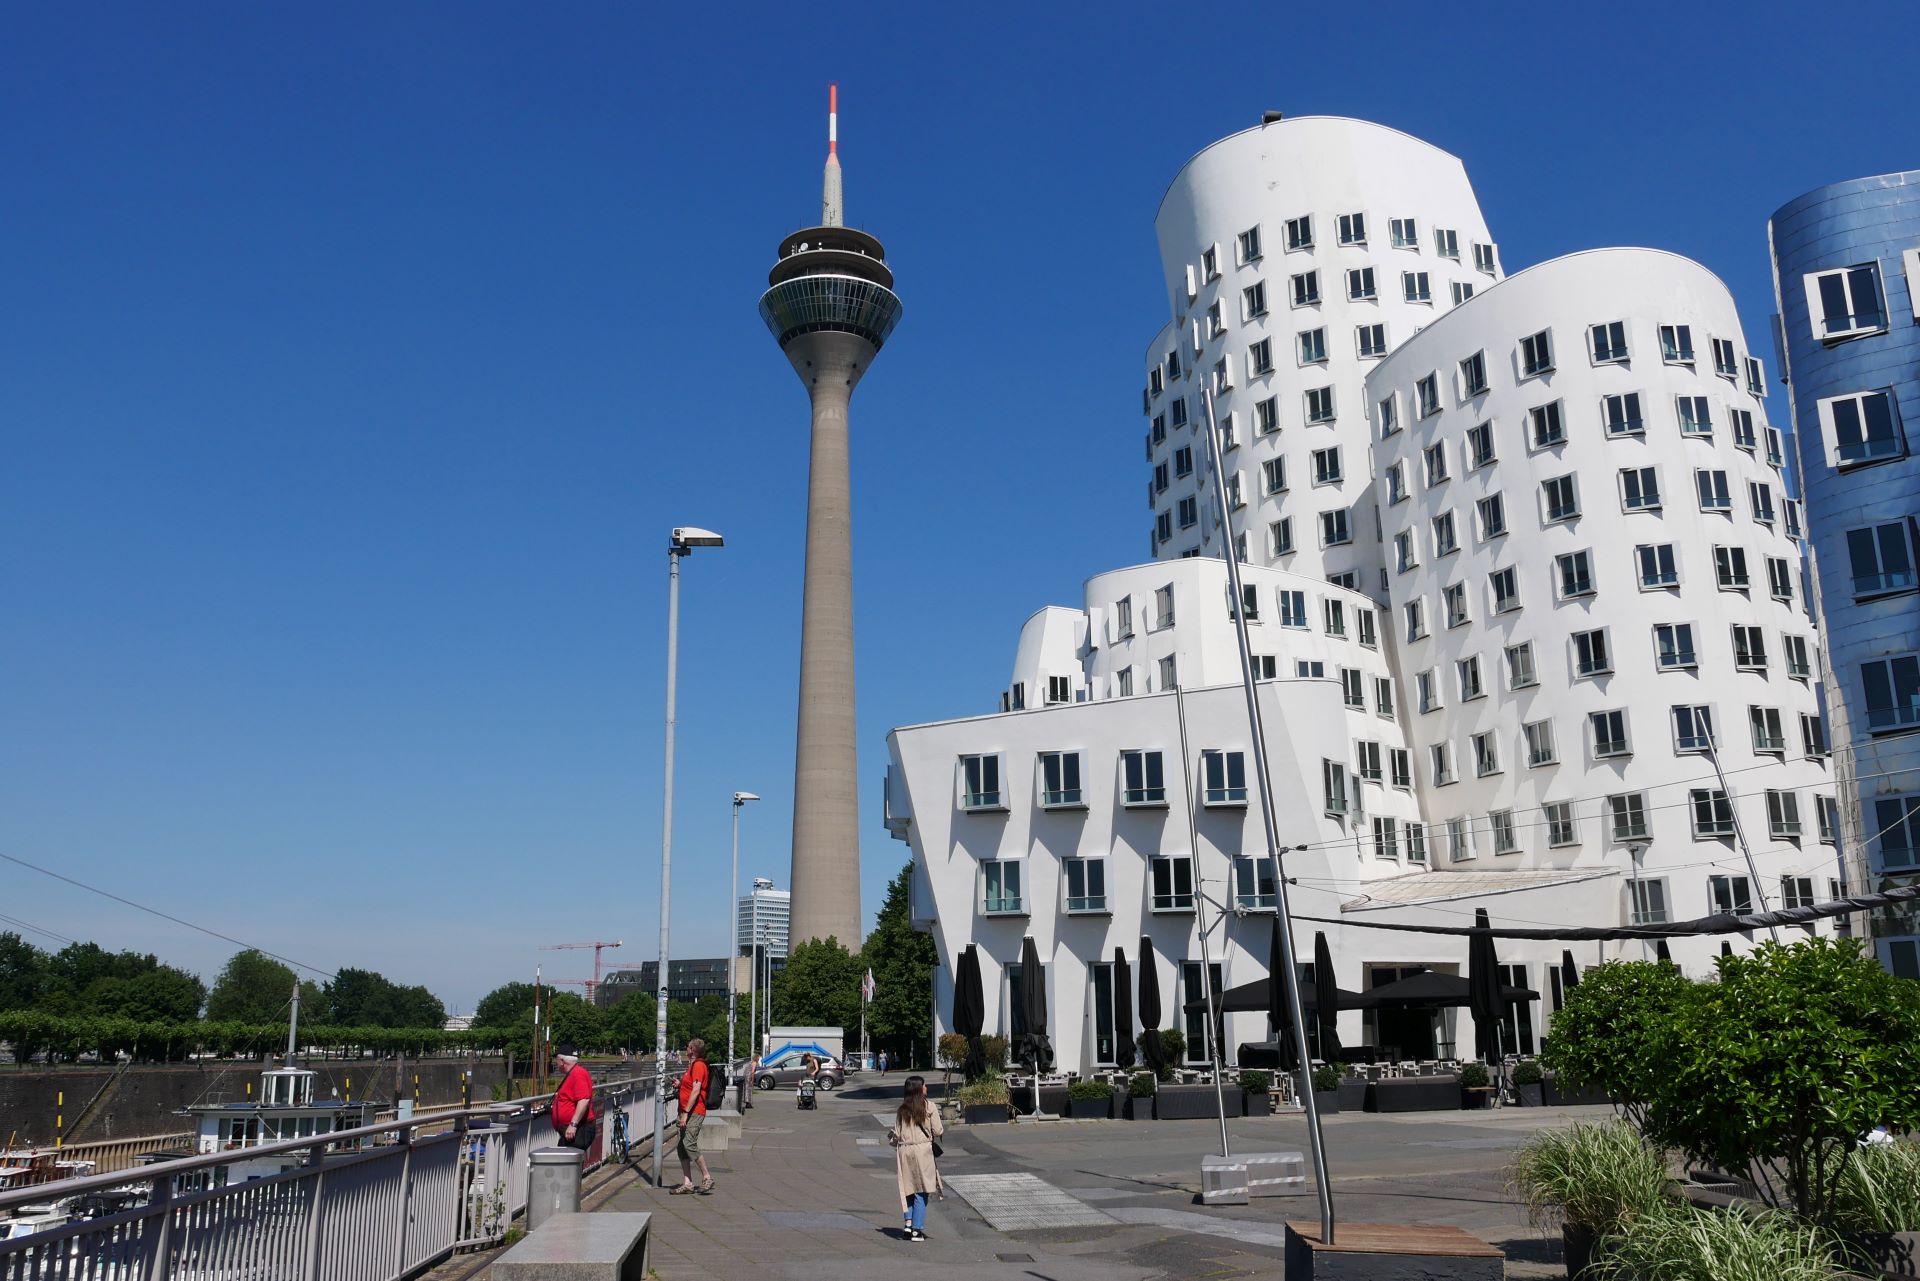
x,y
593,985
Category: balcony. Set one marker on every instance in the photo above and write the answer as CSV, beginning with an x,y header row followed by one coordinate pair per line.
x,y
1088,905
1003,905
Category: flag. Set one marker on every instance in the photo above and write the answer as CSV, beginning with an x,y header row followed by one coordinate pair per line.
x,y
866,988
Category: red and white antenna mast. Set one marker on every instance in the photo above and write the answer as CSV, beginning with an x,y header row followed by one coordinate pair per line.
x,y
830,202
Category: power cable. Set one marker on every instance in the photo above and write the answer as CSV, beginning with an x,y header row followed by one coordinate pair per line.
x,y
37,929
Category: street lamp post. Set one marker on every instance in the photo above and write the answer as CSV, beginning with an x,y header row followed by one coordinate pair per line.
x,y
733,910
681,543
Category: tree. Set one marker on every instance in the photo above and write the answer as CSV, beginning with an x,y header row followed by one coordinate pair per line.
x,y
1613,1034
820,987
574,1020
367,998
253,988
163,994
903,960
23,973
629,1024
500,1007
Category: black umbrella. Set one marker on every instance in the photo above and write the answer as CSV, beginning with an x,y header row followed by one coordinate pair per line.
x,y
1279,1017
1252,998
1569,972
1661,953
1430,990
1726,947
1150,1050
970,1011
1326,998
1123,1051
1484,996
1033,1008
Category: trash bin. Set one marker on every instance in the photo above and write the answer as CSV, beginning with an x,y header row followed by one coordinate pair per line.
x,y
553,1183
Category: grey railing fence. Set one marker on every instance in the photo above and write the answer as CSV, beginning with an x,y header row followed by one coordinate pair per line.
x,y
413,1193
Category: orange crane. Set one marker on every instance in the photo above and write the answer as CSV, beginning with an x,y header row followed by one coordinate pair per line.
x,y
592,985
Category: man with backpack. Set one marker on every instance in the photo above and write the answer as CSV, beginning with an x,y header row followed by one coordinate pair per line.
x,y
695,1083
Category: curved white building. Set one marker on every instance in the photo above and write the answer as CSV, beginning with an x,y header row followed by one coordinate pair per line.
x,y
1595,582
1297,254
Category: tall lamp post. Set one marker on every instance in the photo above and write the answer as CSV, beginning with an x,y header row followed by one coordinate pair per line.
x,y
681,543
733,929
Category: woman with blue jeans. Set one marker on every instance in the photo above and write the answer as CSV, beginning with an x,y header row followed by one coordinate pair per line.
x,y
916,1126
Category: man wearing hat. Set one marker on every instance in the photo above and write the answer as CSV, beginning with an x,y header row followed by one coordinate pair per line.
x,y
573,1115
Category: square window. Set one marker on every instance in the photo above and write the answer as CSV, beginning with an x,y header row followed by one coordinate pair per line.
x,y
1446,243
1353,229
1725,363
1462,290
980,783
1673,647
1086,885
1676,344
1313,347
1253,886
1306,289
1492,513
1360,286
1540,749
1293,607
1639,489
1740,422
1649,906
1622,414
1335,530
1000,888
1882,559
1608,731
1692,727
1371,340
1749,648
1560,827
1711,487
1386,838
1695,415
1560,499
1319,404
1546,427
1783,819
1861,428
1405,234
1504,584
1592,656
1225,777
1845,303
1415,286
1536,353
1768,737
1520,672
1143,778
1779,578
1795,650
1712,820
1657,565
1608,342
1367,761
1483,259
1280,536
1575,572
1730,568
1730,894
1299,233
1628,815
1250,245
1892,688
1897,820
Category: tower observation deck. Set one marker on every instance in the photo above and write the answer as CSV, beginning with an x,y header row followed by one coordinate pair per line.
x,y
831,306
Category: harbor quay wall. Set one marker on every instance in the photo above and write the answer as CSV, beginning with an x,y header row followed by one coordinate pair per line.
x,y
146,1099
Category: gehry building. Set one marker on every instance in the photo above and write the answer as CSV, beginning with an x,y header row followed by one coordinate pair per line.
x,y
1522,577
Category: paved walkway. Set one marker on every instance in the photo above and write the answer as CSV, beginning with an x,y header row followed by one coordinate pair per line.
x,y
805,1192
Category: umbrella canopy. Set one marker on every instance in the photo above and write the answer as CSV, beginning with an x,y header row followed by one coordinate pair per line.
x,y
1279,1017
1326,998
1432,990
1033,1007
1123,1047
1661,952
1150,1052
1569,972
1252,998
970,1010
1484,994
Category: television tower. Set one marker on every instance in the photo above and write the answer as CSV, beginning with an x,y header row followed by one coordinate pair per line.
x,y
831,305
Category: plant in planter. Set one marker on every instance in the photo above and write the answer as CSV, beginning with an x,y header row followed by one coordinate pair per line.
x,y
1326,1088
984,1101
953,1051
1674,1239
1476,1086
995,1049
1089,1099
1591,1180
1259,1087
1173,1047
1529,1083
1141,1087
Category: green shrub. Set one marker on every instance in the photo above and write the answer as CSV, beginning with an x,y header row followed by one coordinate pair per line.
x,y
1326,1079
1675,1241
1615,1033
953,1049
1474,1076
1254,1081
1089,1090
1879,1190
1527,1072
1173,1044
995,1048
1141,1085
1597,1177
988,1090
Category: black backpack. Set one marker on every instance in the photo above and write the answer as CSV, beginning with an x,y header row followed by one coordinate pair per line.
x,y
716,1088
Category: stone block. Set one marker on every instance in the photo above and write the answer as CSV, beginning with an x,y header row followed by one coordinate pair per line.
x,y
1274,1173
1223,1180
579,1247
1390,1252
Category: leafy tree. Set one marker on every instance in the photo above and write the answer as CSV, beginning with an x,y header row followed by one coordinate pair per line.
x,y
576,1021
500,1007
23,973
1614,1034
820,987
629,1024
163,994
903,960
253,988
367,998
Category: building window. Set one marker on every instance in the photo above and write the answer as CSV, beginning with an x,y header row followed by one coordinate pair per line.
x,y
1639,489
1319,404
1250,245
1253,300
1059,690
1540,749
1893,693
1172,883
1628,816
1545,425
1442,760
1293,607
1188,509
1860,429
1749,648
1427,395
1406,235
1436,463
1312,669
1711,486
1215,325
1383,697
1143,778
1692,728
1265,667
1253,883
1592,656
1695,415
1389,416
1622,414
1360,287
1372,340
1827,815
1400,767
1468,670
1657,567
1673,647
1353,688
1266,416
1483,258
1649,900
980,783
1608,342
1609,733
1416,615
1334,530
1367,761
1353,229
1445,541
1480,446
1768,737
1459,841
1169,673
1724,361
1505,585
1882,558
1369,636
1427,688
1000,888
1560,498
1386,838
1505,841
1060,781
1493,517
1536,353
1333,779
1260,358
1225,777
1796,891
1455,598
1740,421
1415,286
1779,578
1280,536
1086,884
1306,289
1198,1033
1813,735
1486,755
1473,374
1178,411
1783,816
1461,290
1676,344
1795,649
1756,378
1163,529
1730,894
1575,570
1560,827
1730,568
1520,673
1897,821
1712,814
1845,303
1326,466
1299,233
1446,243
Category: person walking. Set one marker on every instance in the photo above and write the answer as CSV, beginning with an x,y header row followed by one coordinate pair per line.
x,y
883,1063
693,1114
916,1127
574,1119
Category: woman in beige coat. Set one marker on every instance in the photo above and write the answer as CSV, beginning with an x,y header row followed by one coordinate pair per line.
x,y
916,1125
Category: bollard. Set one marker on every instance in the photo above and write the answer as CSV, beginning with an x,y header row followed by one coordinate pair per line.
x,y
553,1183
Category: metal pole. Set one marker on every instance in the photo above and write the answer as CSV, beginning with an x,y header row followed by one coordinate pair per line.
x,y
1199,919
733,947
674,553
1634,852
1740,832
1270,824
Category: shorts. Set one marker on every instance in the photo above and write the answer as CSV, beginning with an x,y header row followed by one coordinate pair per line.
x,y
689,1140
582,1136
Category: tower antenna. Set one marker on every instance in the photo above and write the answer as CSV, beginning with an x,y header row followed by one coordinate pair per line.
x,y
830,200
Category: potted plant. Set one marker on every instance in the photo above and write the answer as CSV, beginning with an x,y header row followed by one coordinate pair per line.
x,y
1173,1047
995,1050
1590,1179
1089,1100
1259,1087
984,1101
1141,1088
1476,1086
1353,1091
1529,1083
1326,1088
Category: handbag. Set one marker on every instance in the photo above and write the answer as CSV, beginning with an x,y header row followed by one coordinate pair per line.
x,y
938,1151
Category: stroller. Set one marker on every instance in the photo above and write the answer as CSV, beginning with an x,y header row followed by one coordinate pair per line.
x,y
807,1088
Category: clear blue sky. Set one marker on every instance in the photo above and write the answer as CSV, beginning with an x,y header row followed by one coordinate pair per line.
x,y
354,362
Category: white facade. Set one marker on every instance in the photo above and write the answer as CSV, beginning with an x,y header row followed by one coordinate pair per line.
x,y
762,916
1296,255
1101,807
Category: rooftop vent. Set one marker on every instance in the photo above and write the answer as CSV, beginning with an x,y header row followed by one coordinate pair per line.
x,y
1272,117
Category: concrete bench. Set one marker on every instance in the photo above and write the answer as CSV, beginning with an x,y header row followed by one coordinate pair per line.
x,y
580,1247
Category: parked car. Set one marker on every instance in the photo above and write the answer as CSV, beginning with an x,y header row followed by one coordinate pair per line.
x,y
832,1074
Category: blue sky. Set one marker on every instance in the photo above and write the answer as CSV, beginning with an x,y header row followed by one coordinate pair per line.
x,y
355,362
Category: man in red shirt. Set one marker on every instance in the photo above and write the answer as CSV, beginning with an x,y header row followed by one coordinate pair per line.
x,y
693,1113
574,1119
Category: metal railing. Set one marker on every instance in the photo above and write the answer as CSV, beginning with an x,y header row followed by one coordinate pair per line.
x,y
411,1194
109,1155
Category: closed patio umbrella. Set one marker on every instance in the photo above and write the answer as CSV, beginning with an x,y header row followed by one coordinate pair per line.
x,y
1726,947
1123,1047
1279,1018
970,1011
1033,1007
1569,972
1662,952
1485,999
1326,998
1150,1050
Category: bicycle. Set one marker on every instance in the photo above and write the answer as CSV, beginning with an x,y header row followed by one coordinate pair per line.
x,y
619,1144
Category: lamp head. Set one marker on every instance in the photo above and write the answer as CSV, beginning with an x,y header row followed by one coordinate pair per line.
x,y
741,798
689,536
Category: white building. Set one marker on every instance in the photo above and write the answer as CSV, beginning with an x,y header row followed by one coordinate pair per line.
x,y
762,919
1439,708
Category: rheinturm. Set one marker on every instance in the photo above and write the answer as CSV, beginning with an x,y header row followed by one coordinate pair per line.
x,y
831,304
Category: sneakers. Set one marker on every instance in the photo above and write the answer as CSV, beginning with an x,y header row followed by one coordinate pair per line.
x,y
915,1234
